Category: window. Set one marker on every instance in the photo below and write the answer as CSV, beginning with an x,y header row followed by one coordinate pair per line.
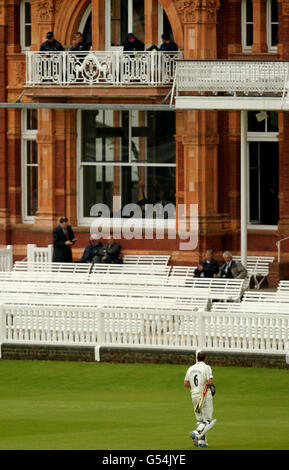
x,y
29,165
127,16
130,154
25,25
247,24
263,156
272,24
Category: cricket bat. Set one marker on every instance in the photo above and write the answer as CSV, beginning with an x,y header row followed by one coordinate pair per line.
x,y
201,399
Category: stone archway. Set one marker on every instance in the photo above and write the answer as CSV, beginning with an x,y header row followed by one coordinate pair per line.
x,y
172,13
68,18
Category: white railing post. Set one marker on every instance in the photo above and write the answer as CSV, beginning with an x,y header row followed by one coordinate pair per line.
x,y
279,247
100,333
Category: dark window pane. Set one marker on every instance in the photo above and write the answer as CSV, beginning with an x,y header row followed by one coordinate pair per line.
x,y
31,119
138,19
87,31
254,182
272,122
274,11
161,146
32,190
31,152
27,12
249,11
269,174
274,34
253,124
98,183
249,35
119,22
167,26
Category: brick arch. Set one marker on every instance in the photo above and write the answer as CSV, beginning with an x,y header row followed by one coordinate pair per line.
x,y
70,13
68,18
175,21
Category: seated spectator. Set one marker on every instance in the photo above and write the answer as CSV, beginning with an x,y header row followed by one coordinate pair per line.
x,y
168,45
51,45
208,267
132,43
92,250
110,252
232,269
78,44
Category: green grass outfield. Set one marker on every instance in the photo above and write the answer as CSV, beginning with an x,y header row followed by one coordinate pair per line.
x,y
89,406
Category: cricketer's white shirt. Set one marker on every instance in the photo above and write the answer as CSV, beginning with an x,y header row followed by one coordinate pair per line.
x,y
198,375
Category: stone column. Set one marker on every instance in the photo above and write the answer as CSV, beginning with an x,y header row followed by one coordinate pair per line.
x,y
98,25
42,17
151,22
4,210
259,27
70,147
199,129
46,214
14,165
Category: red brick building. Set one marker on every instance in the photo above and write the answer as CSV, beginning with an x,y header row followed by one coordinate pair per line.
x,y
57,161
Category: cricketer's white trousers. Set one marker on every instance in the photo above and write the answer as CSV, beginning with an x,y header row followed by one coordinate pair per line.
x,y
207,409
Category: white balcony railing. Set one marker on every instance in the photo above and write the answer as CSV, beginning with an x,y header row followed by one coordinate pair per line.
x,y
101,68
232,77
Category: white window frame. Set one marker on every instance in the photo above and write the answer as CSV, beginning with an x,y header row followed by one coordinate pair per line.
x,y
117,222
258,137
26,135
23,25
269,26
245,48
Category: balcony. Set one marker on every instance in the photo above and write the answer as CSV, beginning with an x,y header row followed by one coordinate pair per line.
x,y
228,84
101,68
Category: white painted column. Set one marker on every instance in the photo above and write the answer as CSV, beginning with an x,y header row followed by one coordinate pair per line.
x,y
243,187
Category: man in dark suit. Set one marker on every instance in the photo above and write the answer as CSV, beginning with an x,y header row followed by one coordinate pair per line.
x,y
208,267
63,239
110,252
92,251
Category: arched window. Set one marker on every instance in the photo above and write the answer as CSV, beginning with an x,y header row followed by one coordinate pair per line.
x,y
25,25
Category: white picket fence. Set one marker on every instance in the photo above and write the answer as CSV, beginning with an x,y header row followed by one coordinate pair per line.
x,y
6,258
130,328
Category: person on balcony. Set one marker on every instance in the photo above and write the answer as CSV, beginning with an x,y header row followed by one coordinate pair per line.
x,y
109,253
51,45
208,267
132,44
232,269
78,44
168,45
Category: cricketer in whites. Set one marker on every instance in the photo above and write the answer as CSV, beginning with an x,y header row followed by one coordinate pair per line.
x,y
199,379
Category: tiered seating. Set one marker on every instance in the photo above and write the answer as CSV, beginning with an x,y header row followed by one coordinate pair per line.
x,y
257,266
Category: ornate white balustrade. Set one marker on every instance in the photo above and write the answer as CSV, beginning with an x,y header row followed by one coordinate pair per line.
x,y
101,68
237,78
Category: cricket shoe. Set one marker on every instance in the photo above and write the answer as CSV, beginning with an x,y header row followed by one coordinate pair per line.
x,y
207,428
202,444
194,438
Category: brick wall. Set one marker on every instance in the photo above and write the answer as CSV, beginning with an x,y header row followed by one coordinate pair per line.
x,y
277,271
153,356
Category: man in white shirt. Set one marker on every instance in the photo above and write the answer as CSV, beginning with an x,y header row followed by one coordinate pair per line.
x,y
196,378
